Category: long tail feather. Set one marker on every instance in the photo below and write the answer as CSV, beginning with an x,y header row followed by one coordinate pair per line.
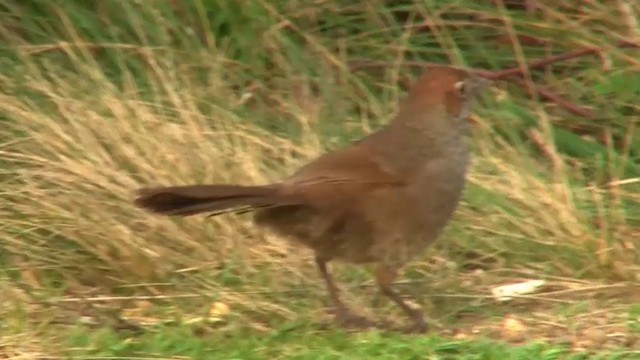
x,y
194,199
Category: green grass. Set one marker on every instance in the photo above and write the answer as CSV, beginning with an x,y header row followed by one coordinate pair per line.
x,y
291,340
99,98
300,343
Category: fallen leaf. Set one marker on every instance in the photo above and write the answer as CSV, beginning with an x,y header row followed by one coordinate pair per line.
x,y
507,292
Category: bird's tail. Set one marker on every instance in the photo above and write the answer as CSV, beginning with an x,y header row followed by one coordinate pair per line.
x,y
194,199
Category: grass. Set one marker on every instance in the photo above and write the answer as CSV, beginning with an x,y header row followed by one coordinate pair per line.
x,y
99,99
292,345
289,344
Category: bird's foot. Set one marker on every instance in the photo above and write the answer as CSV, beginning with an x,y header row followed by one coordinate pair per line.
x,y
351,320
418,324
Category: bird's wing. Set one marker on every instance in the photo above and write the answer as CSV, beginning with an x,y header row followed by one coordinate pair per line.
x,y
342,176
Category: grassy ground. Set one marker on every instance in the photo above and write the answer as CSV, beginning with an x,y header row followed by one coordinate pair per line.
x,y
101,98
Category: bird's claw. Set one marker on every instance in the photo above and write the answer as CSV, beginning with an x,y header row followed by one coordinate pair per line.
x,y
417,328
351,320
418,324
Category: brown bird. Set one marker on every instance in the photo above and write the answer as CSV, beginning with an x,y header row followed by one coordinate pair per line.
x,y
382,199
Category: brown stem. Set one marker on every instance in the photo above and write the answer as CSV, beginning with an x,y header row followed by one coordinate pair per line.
x,y
545,61
511,73
559,100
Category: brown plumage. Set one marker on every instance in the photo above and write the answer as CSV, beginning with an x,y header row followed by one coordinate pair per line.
x,y
382,199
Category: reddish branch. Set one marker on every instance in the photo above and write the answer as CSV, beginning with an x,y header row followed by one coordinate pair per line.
x,y
549,95
514,74
546,61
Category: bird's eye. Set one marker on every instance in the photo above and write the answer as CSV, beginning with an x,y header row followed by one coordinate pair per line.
x,y
461,88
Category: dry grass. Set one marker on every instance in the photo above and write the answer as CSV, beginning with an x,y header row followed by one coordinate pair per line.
x,y
72,173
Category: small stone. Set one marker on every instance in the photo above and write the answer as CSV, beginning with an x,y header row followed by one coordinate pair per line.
x,y
218,309
513,329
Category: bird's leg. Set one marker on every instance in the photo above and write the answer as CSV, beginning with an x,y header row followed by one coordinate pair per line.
x,y
344,315
385,275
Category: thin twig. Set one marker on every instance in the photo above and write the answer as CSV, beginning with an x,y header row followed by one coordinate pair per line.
x,y
61,46
568,105
542,91
511,73
548,60
547,150
501,74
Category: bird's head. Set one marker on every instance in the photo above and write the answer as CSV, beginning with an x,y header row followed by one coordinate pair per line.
x,y
442,94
